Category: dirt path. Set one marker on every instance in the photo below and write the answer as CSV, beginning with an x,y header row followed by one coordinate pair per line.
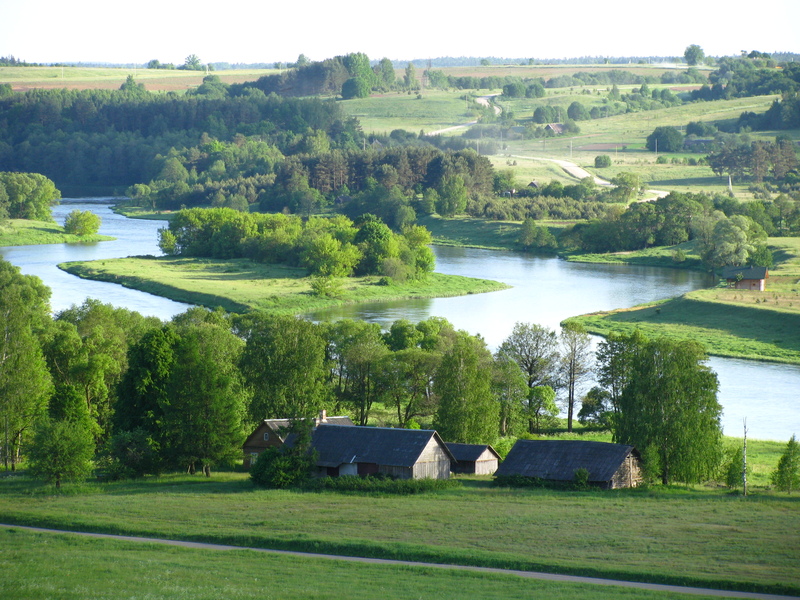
x,y
380,561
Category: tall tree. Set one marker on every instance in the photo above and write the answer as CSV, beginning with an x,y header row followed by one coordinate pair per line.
x,y
468,411
693,55
669,409
25,382
786,477
535,349
283,366
61,450
575,363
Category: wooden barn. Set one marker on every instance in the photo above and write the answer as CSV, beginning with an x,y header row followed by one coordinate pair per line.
x,y
746,278
273,433
400,453
609,465
478,459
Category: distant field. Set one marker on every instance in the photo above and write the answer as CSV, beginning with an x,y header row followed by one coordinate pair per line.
x,y
26,78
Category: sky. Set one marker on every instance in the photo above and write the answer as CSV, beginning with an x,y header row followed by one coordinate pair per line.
x,y
246,31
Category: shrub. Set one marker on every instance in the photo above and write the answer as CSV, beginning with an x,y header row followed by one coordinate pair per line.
x,y
380,483
581,480
602,161
287,466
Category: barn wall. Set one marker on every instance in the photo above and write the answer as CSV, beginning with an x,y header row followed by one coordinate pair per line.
x,y
486,466
433,462
629,474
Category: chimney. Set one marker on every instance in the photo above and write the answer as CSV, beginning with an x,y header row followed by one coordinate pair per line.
x,y
323,416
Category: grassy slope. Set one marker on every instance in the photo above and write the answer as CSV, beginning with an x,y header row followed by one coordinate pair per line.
x,y
21,232
674,535
736,323
42,566
239,285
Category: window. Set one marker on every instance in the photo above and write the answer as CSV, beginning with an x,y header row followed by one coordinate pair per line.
x,y
266,437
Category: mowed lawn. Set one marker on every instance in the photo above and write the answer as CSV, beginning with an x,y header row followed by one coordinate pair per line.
x,y
679,535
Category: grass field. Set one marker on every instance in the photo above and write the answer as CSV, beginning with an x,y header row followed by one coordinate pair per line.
x,y
681,535
239,284
43,566
21,232
154,80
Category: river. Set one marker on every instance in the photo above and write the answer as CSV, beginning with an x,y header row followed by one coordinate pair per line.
x,y
545,291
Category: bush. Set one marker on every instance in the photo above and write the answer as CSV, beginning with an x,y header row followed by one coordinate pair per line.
x,y
133,454
602,161
379,483
82,222
61,451
288,466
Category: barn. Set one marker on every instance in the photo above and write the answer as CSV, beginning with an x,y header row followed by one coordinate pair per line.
x,y
478,459
399,453
272,433
746,278
609,465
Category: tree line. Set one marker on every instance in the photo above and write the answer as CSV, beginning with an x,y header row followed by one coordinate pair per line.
x,y
139,395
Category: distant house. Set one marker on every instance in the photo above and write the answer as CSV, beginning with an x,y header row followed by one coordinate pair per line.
x,y
478,459
609,465
746,278
400,453
556,128
272,433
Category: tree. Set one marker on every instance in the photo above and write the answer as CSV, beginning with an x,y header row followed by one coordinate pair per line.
x,y
25,382
192,63
575,362
535,349
693,55
786,477
289,465
386,72
511,390
601,161
82,222
61,450
627,185
542,408
665,139
283,366
356,87
669,404
468,411
452,196
410,78
577,111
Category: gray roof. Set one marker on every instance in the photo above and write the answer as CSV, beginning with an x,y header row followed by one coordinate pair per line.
x,y
337,445
745,272
280,427
469,452
557,460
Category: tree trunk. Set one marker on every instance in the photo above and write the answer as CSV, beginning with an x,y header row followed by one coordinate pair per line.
x,y
207,470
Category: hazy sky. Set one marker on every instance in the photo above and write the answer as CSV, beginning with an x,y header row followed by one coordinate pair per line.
x,y
264,31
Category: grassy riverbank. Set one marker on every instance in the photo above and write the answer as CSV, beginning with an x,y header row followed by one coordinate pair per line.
x,y
733,323
239,285
683,535
21,232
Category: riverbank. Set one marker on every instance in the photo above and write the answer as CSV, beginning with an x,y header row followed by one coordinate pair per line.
x,y
747,324
22,232
239,285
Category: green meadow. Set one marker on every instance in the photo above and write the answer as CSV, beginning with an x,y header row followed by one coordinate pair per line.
x,y
700,536
239,285
22,232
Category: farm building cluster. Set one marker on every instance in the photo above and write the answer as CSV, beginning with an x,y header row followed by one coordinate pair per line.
x,y
343,448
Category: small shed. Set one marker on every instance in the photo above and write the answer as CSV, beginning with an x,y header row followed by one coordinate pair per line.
x,y
400,453
746,278
556,128
272,433
478,459
609,465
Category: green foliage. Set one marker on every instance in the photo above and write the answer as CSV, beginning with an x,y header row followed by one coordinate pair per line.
x,y
289,465
376,484
536,237
693,55
133,454
27,196
602,161
665,139
356,87
82,222
61,451
669,402
581,480
786,477
733,467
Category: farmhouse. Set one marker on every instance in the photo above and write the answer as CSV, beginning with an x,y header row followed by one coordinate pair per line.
x,y
401,453
609,465
556,128
272,433
478,459
746,278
